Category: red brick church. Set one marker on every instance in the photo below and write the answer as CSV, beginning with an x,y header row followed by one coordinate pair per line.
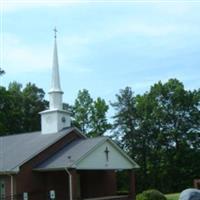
x,y
59,162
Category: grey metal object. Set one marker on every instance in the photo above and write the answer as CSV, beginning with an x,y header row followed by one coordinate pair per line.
x,y
190,194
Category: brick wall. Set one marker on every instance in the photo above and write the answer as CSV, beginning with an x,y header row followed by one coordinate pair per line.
x,y
33,182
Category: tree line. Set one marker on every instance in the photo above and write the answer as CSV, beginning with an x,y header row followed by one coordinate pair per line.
x,y
20,107
159,129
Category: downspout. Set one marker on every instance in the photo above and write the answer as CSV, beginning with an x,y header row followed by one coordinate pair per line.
x,y
70,184
11,187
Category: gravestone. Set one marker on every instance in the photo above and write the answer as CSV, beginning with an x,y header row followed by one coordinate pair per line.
x,y
190,194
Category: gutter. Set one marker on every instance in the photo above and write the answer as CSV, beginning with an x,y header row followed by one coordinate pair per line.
x,y
8,173
70,184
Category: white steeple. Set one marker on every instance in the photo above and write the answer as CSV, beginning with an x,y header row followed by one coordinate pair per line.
x,y
55,93
55,84
55,119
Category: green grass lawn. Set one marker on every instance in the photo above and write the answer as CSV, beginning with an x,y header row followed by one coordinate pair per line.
x,y
172,196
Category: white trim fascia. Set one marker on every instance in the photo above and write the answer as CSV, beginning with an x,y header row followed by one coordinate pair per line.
x,y
136,166
8,173
54,110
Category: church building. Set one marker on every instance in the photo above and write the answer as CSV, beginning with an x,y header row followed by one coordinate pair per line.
x,y
60,162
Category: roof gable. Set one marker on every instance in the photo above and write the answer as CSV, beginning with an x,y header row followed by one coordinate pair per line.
x,y
89,154
106,155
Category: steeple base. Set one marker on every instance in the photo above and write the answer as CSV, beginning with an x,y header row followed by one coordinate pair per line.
x,y
54,121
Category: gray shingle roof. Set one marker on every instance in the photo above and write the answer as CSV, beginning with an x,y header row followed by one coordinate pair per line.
x,y
17,149
70,154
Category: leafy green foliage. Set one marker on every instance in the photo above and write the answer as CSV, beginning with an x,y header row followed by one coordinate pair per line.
x,y
151,195
82,110
19,108
4,106
33,104
125,118
98,123
161,130
90,115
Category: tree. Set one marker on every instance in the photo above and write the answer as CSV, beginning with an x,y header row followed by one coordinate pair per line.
x,y
175,125
162,134
125,120
33,104
15,108
98,122
126,130
90,115
82,110
20,108
4,106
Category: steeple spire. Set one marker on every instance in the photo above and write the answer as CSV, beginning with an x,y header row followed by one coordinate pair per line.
x,y
55,93
55,119
55,31
55,80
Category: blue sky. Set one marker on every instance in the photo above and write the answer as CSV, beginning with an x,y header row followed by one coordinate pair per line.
x,y
103,46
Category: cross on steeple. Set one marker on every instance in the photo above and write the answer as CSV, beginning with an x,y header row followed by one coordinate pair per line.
x,y
107,152
55,31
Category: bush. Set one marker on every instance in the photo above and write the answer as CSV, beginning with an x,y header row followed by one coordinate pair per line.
x,y
151,195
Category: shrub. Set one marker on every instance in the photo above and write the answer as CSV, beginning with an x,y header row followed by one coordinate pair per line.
x,y
151,195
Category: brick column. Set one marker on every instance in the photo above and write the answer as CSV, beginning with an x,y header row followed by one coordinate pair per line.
x,y
132,191
73,172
